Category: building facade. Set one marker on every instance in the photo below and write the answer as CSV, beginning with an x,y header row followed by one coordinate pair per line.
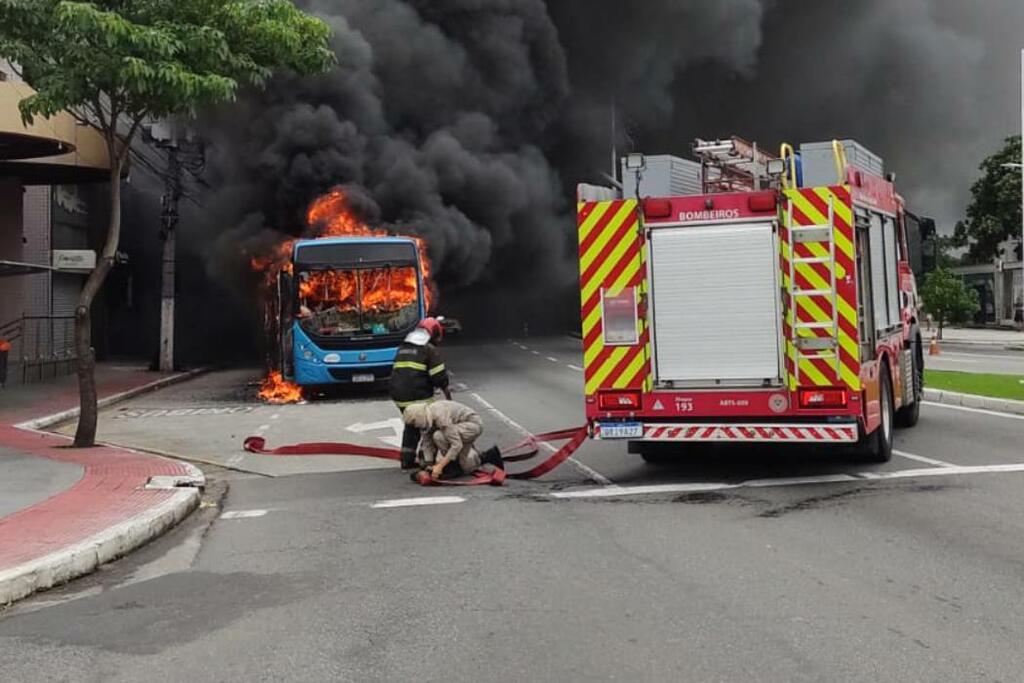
x,y
53,183
1000,287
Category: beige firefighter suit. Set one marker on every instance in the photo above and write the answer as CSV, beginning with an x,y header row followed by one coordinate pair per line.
x,y
449,430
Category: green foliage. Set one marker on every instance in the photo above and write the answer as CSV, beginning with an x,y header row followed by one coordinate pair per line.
x,y
947,298
994,213
996,386
115,62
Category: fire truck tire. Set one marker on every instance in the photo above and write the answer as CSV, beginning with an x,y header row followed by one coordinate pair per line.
x,y
908,416
877,446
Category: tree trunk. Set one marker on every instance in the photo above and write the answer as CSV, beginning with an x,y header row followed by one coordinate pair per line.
x,y
942,324
85,434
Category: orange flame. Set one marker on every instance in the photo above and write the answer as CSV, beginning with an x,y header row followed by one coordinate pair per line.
x,y
331,216
276,389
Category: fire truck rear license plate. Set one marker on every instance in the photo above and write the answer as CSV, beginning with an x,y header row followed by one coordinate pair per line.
x,y
362,379
621,430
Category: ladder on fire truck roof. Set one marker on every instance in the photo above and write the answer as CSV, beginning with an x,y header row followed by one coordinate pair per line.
x,y
732,165
814,346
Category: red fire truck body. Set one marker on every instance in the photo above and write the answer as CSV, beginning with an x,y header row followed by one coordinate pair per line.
x,y
783,315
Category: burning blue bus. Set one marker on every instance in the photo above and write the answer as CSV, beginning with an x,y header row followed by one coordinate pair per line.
x,y
346,305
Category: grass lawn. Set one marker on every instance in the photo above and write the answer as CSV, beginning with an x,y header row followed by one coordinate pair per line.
x,y
995,386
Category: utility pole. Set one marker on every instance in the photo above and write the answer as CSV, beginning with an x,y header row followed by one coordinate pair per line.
x,y
185,152
169,221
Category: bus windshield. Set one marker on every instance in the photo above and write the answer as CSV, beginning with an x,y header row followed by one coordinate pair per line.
x,y
358,301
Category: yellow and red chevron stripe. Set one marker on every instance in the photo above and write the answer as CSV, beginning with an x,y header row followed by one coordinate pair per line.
x,y
807,207
612,258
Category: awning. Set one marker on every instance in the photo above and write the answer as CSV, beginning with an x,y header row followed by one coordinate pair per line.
x,y
53,150
15,268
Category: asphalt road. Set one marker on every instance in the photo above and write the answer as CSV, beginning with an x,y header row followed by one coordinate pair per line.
x,y
753,564
988,359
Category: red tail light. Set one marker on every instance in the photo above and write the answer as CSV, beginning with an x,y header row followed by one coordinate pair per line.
x,y
657,208
619,400
823,398
765,201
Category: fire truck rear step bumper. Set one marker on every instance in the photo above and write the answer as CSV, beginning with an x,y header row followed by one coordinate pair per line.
x,y
789,433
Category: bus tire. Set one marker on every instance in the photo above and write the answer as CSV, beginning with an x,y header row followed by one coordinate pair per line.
x,y
907,416
876,447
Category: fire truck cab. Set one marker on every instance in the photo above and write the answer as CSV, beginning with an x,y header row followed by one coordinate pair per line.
x,y
749,298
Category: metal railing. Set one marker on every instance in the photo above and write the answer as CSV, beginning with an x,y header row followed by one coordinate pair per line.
x,y
45,346
11,331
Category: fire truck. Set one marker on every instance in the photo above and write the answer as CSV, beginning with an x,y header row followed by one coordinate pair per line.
x,y
747,297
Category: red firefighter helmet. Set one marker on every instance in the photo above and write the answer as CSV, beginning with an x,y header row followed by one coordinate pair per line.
x,y
434,327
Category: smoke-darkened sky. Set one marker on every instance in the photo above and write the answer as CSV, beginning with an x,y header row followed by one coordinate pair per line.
x,y
469,121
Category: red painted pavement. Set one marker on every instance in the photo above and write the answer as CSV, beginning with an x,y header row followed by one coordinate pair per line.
x,y
25,402
111,490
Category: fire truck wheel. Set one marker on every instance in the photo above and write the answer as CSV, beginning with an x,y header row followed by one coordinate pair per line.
x,y
877,446
908,415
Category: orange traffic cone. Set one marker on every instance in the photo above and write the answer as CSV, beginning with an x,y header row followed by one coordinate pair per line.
x,y
933,349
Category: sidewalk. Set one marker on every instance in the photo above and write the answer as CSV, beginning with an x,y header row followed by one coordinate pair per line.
x,y
985,337
65,511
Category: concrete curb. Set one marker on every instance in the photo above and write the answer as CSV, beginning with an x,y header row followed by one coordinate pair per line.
x,y
64,416
952,398
110,544
116,541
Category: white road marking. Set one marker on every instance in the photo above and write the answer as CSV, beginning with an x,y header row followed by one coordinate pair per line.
x,y
235,459
921,458
974,410
415,502
553,360
275,416
243,514
620,491
536,353
394,424
262,428
592,474
574,367
939,361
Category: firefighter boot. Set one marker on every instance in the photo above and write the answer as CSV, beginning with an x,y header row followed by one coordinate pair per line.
x,y
408,458
492,456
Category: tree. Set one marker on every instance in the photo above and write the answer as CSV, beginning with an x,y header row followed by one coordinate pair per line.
x,y
114,64
947,299
994,213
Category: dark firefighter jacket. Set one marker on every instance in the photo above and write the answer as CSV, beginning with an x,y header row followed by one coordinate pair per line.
x,y
417,372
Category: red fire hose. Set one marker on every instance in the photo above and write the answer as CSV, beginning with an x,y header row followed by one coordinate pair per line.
x,y
575,437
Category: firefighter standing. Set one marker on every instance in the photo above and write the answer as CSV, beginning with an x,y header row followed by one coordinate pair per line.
x,y
449,431
417,374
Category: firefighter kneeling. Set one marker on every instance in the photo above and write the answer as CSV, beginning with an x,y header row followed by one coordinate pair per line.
x,y
449,430
417,374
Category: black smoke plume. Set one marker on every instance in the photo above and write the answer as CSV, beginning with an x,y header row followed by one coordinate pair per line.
x,y
470,121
